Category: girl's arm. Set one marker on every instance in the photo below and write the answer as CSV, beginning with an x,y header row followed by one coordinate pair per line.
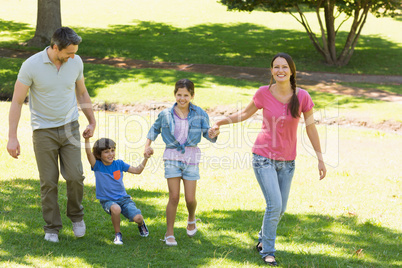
x,y
147,154
312,134
90,156
240,116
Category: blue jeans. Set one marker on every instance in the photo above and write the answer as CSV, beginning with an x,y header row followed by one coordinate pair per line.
x,y
174,169
127,206
275,178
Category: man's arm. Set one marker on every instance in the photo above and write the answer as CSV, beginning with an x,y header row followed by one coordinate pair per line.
x,y
86,106
20,93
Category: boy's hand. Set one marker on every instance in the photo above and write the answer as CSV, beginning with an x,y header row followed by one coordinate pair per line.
x,y
148,152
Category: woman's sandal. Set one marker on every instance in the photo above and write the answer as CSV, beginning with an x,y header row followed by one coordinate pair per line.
x,y
258,246
192,233
271,261
174,243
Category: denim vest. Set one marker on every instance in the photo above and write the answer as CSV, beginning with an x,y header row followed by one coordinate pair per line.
x,y
198,122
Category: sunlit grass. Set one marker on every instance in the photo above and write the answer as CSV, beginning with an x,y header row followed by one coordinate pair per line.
x,y
325,224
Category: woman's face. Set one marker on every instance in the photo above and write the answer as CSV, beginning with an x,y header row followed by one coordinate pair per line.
x,y
280,70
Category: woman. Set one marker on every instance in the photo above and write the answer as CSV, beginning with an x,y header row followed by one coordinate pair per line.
x,y
274,150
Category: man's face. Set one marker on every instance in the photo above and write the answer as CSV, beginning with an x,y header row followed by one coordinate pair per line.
x,y
66,53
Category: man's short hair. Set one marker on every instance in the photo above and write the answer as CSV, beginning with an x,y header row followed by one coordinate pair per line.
x,y
63,37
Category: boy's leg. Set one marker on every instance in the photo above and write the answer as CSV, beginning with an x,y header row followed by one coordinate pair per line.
x,y
115,211
138,219
171,208
191,202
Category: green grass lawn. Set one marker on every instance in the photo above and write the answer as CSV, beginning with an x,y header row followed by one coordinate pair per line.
x,y
203,32
356,207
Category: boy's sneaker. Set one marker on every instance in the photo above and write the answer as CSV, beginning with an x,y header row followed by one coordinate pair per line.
x,y
118,239
52,237
143,230
79,228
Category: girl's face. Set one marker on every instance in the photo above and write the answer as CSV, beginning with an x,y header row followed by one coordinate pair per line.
x,y
107,156
183,98
281,70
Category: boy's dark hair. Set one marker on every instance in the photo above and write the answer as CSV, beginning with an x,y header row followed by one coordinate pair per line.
x,y
101,145
185,83
63,37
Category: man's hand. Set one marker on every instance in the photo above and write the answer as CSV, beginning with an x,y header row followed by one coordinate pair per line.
x,y
13,147
88,132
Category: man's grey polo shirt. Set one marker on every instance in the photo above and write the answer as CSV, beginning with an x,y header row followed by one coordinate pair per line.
x,y
52,97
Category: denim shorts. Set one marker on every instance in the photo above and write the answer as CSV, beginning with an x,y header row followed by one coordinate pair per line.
x,y
127,205
179,169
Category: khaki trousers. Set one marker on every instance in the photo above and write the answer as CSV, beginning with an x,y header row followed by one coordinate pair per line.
x,y
50,146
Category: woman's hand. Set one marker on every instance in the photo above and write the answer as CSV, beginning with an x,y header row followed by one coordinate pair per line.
x,y
213,131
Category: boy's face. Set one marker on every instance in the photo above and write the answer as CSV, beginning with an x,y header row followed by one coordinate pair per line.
x,y
107,156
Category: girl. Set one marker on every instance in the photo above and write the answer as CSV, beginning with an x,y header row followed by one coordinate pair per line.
x,y
274,150
181,127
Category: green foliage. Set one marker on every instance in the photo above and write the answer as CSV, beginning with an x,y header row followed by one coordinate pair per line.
x,y
378,7
331,10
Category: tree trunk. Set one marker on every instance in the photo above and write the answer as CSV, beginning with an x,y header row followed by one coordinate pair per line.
x,y
48,21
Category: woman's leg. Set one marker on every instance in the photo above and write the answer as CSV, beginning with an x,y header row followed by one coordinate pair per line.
x,y
285,173
171,208
266,175
191,202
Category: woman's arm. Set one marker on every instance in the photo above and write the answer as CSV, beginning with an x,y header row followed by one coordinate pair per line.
x,y
312,134
240,116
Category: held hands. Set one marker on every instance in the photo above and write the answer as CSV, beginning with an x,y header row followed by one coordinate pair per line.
x,y
88,132
13,147
148,152
213,131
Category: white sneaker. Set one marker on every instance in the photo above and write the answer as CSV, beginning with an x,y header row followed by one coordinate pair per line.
x,y
79,228
51,237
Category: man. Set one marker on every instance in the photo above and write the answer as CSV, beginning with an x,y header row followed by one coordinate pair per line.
x,y
55,81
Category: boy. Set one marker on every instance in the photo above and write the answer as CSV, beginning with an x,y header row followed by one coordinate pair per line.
x,y
110,189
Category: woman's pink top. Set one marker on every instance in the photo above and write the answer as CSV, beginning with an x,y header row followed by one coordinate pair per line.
x,y
278,137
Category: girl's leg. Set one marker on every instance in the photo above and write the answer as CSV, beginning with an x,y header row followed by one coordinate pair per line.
x,y
115,211
191,202
171,208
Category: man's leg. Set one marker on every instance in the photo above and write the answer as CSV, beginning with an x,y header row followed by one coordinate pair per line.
x,y
46,148
72,171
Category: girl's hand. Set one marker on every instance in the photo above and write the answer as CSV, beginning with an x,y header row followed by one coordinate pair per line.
x,y
148,152
322,169
213,131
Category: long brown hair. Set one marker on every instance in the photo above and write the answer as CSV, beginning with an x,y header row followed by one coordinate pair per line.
x,y
294,104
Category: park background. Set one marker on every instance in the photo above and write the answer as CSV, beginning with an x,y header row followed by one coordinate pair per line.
x,y
350,219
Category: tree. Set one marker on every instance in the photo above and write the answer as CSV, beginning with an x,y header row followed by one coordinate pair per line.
x,y
48,21
357,10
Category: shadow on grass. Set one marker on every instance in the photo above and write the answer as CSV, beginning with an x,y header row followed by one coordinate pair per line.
x,y
240,44
225,235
